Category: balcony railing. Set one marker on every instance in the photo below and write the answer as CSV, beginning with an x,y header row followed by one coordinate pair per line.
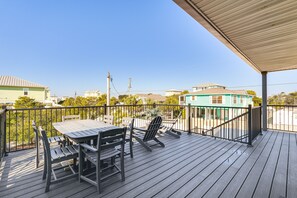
x,y
194,119
282,117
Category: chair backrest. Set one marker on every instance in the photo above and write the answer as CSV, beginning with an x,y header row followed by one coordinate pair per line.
x,y
108,119
45,142
111,138
152,129
128,122
70,117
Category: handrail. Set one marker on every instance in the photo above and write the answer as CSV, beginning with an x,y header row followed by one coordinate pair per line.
x,y
225,122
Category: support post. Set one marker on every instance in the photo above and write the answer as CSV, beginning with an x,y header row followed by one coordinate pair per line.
x,y
264,100
3,131
250,125
188,117
108,93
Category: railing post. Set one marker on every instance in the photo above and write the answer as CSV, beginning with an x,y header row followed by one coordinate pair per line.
x,y
188,115
105,109
261,126
250,125
3,120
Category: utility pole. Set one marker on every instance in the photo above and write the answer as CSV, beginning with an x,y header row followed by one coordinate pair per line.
x,y
129,86
108,92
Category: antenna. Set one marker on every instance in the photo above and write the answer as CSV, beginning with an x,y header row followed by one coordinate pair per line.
x,y
129,85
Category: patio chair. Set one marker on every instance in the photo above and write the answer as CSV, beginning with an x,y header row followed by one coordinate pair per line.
x,y
56,139
168,129
108,119
57,155
105,149
70,117
145,135
129,123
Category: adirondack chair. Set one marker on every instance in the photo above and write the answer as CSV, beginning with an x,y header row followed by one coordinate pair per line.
x,y
145,135
57,139
70,117
129,123
169,129
56,155
105,149
108,119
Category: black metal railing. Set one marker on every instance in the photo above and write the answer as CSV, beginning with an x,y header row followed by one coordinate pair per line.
x,y
2,134
243,128
204,118
193,119
20,135
282,117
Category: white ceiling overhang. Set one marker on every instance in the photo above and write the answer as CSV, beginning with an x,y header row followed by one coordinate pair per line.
x,y
261,32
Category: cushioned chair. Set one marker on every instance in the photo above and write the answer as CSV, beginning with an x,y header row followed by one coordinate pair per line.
x,y
105,149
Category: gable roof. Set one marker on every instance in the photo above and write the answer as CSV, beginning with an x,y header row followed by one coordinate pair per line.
x,y
12,81
215,91
154,97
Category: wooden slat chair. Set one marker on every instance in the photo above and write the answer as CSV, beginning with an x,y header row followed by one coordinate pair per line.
x,y
105,149
129,123
145,135
57,155
108,119
70,117
169,129
57,139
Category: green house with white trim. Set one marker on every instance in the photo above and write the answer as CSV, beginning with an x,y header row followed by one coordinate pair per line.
x,y
216,96
11,88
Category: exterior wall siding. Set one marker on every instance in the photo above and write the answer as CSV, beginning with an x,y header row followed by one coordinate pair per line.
x,y
11,94
228,100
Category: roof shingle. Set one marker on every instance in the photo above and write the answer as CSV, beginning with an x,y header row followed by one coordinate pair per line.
x,y
12,81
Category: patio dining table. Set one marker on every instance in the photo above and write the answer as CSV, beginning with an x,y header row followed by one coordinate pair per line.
x,y
82,130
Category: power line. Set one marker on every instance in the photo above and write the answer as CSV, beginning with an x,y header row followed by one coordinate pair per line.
x,y
114,86
233,87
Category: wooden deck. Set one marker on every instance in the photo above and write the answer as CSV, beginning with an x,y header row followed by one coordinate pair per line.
x,y
193,166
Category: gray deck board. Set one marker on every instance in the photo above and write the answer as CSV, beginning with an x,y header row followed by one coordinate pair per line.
x,y
192,166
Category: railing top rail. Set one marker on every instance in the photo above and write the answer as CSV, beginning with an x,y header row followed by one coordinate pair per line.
x,y
222,107
271,105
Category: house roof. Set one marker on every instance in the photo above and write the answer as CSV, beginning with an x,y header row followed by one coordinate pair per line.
x,y
262,33
154,97
208,85
215,91
12,81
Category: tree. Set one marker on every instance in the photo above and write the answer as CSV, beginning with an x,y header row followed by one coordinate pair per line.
x,y
174,99
26,102
256,100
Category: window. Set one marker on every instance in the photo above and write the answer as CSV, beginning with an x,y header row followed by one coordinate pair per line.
x,y
241,99
234,99
193,98
217,100
182,98
26,91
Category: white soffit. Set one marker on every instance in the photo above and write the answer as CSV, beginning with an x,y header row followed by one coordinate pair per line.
x,y
261,32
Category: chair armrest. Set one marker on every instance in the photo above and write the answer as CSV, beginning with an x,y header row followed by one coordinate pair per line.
x,y
139,129
86,146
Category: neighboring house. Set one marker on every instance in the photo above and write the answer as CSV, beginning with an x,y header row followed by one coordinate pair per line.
x,y
282,118
217,97
205,86
157,98
11,88
172,92
95,93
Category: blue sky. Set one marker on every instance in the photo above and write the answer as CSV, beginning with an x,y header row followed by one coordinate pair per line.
x,y
70,46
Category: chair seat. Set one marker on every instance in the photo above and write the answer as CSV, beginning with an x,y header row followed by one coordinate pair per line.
x,y
63,153
105,154
56,139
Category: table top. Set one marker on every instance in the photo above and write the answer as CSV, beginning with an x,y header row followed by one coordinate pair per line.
x,y
81,130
